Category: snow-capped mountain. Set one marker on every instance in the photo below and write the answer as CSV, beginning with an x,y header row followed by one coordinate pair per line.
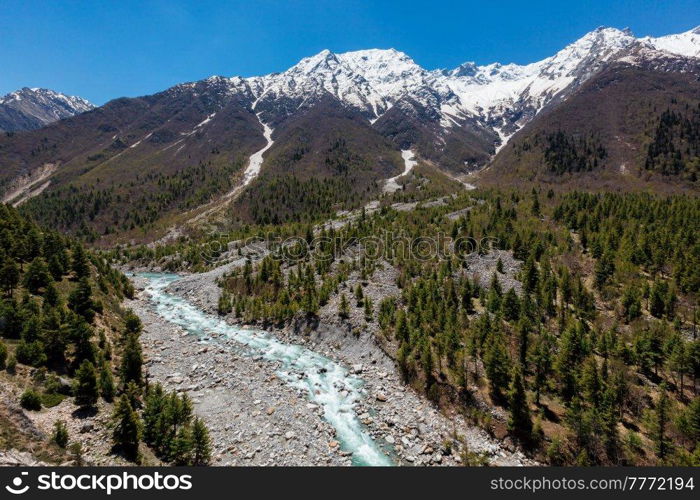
x,y
507,96
31,108
501,97
684,44
341,119
368,80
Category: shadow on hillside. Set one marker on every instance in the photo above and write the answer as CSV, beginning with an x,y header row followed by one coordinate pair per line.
x,y
85,412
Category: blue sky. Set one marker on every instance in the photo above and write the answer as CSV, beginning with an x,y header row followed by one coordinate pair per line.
x,y
101,50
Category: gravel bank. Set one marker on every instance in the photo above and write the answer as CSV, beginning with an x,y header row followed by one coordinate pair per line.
x,y
256,419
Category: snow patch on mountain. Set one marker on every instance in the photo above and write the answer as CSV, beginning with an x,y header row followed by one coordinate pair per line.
x,y
684,44
391,185
256,159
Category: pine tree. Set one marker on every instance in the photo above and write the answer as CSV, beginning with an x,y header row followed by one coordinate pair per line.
x,y
60,434
542,364
11,364
530,275
79,262
80,334
30,400
631,304
679,361
106,382
37,275
31,353
510,306
225,305
535,203
604,269
571,353
493,301
127,428
181,449
153,412
12,322
9,276
590,381
497,364
519,421
662,444
132,361
132,323
56,267
401,327
55,346
134,393
359,295
657,299
344,307
85,387
81,302
691,419
51,296
524,343
369,313
609,420
201,452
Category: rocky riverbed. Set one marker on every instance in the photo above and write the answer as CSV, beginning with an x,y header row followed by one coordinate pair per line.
x,y
256,418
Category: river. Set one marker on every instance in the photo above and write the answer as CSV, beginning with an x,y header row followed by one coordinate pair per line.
x,y
325,382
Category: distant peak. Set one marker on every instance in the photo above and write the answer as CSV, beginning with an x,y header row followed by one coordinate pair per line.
x,y
34,90
39,107
609,31
29,92
378,54
324,55
465,69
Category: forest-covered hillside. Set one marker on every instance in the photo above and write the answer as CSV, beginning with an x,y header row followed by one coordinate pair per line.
x,y
572,332
68,346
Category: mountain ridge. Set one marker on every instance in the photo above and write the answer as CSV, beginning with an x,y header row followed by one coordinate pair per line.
x,y
135,162
32,108
375,79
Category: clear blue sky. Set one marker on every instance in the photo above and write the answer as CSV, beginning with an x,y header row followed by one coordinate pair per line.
x,y
101,50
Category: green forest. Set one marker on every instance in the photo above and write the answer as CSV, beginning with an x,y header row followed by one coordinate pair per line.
x,y
594,355
64,334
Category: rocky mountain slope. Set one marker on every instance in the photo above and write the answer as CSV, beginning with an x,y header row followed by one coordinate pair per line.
x,y
631,126
29,109
337,123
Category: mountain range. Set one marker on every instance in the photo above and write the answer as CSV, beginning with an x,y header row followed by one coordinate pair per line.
x,y
29,109
330,130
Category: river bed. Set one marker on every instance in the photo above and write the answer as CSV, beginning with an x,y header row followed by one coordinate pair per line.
x,y
324,382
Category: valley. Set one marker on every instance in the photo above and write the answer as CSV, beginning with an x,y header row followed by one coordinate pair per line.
x,y
358,261
271,403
